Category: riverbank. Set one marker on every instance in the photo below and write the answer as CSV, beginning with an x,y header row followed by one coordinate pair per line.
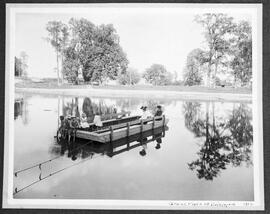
x,y
52,84
141,93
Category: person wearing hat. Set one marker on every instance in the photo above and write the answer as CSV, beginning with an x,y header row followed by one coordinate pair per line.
x,y
61,129
145,113
158,112
97,121
67,125
72,125
84,124
67,121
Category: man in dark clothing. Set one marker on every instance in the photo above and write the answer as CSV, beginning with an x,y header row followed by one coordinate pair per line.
x,y
158,112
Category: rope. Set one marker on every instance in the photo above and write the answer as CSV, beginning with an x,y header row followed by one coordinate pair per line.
x,y
41,163
51,174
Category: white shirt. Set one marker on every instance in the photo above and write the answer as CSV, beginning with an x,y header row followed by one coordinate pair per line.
x,y
145,115
84,123
97,121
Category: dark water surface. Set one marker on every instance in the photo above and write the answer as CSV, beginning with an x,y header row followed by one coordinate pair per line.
x,y
206,153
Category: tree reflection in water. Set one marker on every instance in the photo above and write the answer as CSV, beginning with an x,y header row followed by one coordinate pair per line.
x,y
228,139
21,108
88,107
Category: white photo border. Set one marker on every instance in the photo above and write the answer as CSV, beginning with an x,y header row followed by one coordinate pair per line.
x,y
258,204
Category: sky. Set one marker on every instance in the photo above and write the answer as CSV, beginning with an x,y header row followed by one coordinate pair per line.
x,y
147,35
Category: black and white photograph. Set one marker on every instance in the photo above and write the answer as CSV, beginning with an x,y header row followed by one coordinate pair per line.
x,y
133,106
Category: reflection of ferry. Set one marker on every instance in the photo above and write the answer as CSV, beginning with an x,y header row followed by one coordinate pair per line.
x,y
83,149
116,129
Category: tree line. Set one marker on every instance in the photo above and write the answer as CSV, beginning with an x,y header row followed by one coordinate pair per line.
x,y
228,51
96,53
82,46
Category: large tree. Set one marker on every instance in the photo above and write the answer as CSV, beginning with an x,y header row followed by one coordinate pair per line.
x,y
99,52
192,71
157,75
82,43
109,59
242,53
71,65
58,37
217,30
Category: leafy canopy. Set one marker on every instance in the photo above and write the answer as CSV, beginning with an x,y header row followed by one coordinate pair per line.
x,y
157,75
97,50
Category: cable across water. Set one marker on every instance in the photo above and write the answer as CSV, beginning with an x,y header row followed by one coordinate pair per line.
x,y
51,174
43,162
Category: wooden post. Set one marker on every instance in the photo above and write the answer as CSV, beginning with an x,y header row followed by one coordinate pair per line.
x,y
153,128
163,118
153,125
141,130
111,134
128,127
163,131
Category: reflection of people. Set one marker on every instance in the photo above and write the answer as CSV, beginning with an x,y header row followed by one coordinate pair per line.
x,y
159,141
144,147
73,157
61,130
84,123
62,123
72,151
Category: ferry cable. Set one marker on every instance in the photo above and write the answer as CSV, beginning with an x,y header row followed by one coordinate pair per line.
x,y
51,174
41,163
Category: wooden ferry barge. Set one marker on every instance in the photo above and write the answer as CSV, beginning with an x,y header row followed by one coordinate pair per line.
x,y
116,129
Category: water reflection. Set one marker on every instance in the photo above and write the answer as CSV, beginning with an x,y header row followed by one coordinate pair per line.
x,y
82,149
90,108
214,138
227,138
21,109
18,108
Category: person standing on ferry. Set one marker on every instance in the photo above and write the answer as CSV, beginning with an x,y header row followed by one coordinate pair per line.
x,y
97,121
145,113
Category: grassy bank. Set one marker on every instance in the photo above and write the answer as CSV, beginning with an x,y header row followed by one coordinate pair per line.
x,y
52,84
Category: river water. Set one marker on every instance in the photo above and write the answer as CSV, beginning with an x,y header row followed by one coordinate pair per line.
x,y
204,154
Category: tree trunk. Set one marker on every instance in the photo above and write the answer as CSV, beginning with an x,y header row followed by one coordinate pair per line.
x,y
62,73
57,64
234,80
129,77
208,74
207,123
215,74
214,119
